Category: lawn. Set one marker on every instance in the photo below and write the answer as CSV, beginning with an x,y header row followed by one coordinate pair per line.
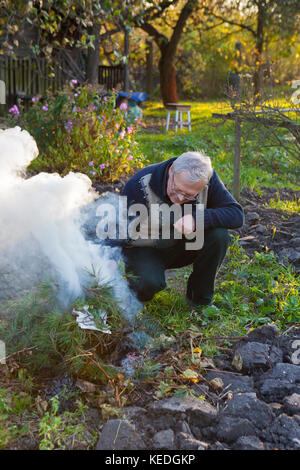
x,y
262,163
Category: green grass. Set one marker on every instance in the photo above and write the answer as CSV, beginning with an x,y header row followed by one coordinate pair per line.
x,y
289,207
250,291
261,163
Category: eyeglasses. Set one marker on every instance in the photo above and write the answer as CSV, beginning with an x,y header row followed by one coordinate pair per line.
x,y
185,196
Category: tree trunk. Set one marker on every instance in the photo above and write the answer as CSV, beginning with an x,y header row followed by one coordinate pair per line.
x,y
168,48
126,55
168,83
258,56
149,68
93,57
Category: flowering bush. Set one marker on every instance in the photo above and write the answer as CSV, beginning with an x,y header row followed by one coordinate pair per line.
x,y
82,131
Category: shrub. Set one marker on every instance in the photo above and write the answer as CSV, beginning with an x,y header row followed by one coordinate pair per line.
x,y
81,130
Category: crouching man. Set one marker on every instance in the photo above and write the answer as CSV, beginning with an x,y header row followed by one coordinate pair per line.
x,y
187,179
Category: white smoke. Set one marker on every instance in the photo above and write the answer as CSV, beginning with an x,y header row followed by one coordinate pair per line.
x,y
41,228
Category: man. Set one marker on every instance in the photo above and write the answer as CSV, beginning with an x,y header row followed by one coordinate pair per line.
x,y
188,179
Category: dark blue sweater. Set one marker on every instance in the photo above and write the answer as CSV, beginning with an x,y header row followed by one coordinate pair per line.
x,y
222,209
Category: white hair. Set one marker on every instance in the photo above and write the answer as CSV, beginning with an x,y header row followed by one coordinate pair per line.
x,y
197,165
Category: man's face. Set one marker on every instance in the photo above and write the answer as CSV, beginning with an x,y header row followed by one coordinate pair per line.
x,y
180,190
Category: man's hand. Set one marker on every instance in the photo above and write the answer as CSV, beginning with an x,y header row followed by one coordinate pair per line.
x,y
185,224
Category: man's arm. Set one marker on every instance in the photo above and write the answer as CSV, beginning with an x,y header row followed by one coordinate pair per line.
x,y
222,209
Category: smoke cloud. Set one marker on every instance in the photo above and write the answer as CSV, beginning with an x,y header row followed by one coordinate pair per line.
x,y
41,236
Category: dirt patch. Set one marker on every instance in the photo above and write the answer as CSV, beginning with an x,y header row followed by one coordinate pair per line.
x,y
267,229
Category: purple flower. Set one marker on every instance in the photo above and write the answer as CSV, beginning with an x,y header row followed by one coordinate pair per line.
x,y
14,110
35,98
45,107
92,172
69,125
102,166
129,130
100,136
91,163
129,158
122,134
73,82
123,106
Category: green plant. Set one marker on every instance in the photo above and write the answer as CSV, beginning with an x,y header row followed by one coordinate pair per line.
x,y
81,130
50,336
56,430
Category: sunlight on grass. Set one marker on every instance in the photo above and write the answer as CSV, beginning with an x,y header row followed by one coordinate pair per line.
x,y
250,291
290,207
261,163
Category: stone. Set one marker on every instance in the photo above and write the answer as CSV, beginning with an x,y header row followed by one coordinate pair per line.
x,y
248,443
188,442
232,382
285,431
133,412
289,254
291,404
295,243
218,446
261,229
164,440
199,412
252,217
264,334
119,434
248,406
182,426
252,356
230,428
217,384
282,380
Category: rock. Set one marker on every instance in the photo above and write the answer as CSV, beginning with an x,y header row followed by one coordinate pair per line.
x,y
217,384
261,229
248,443
248,406
230,428
182,426
291,404
289,254
164,440
218,446
285,430
199,412
295,243
133,412
264,334
232,382
253,355
188,442
252,217
119,434
282,380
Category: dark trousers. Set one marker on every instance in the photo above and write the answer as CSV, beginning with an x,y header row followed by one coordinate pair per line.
x,y
146,266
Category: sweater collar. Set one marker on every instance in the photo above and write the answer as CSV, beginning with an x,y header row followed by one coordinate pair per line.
x,y
159,179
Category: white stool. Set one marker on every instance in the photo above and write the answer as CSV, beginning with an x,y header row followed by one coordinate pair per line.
x,y
179,109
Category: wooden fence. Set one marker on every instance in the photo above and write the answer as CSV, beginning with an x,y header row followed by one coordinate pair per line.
x,y
28,77
111,76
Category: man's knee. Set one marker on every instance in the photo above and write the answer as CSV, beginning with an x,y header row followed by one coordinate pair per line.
x,y
218,237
